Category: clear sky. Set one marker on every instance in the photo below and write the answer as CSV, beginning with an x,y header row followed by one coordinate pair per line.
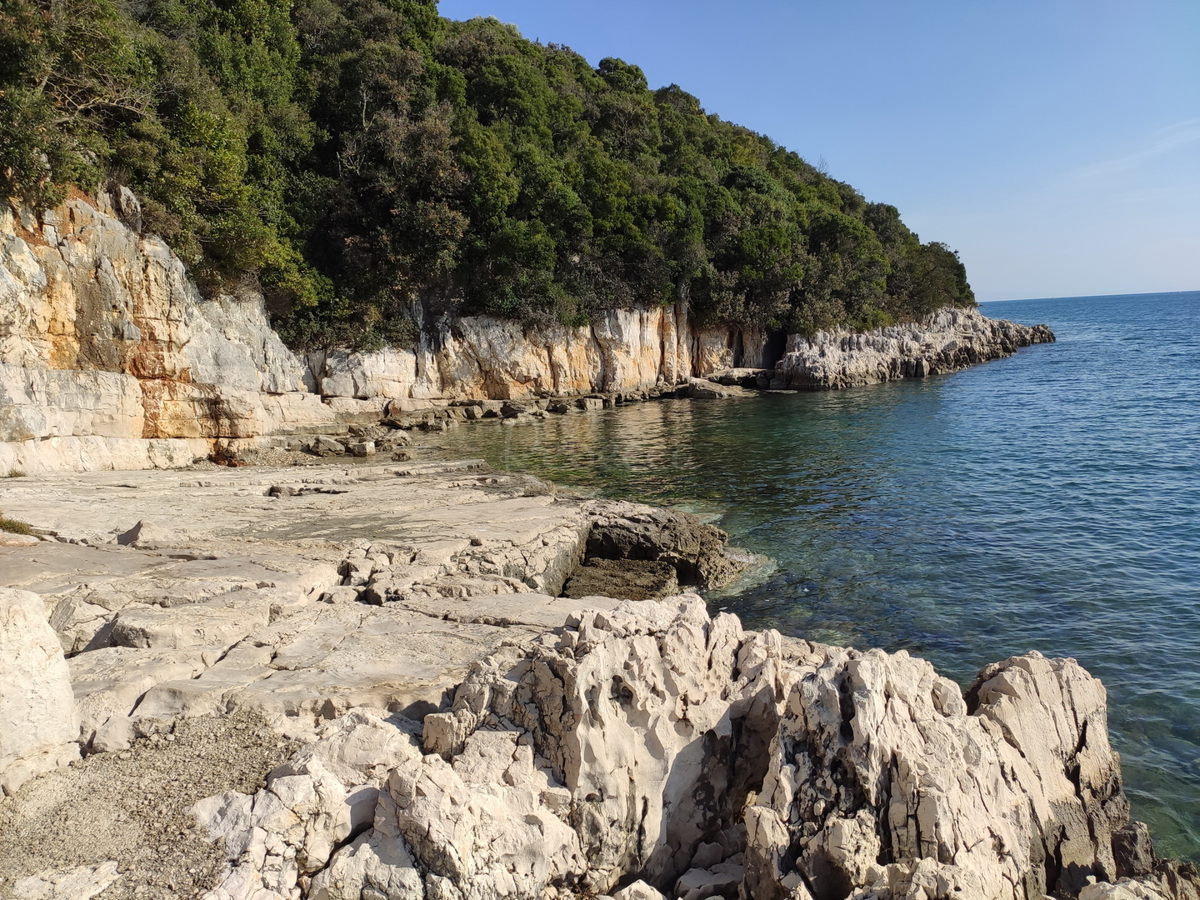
x,y
1054,143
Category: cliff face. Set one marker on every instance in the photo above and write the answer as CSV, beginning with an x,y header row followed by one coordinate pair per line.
x,y
111,359
474,358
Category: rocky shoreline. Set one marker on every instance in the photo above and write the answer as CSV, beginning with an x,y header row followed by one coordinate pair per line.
x,y
111,360
355,680
369,682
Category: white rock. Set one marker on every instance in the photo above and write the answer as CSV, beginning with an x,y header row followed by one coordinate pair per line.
x,y
1125,889
639,890
109,683
193,626
945,341
79,883
641,740
39,726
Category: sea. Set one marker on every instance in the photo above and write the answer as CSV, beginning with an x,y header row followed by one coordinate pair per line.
x,y
1049,501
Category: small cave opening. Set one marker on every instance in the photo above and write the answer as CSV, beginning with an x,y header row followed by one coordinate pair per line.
x,y
774,349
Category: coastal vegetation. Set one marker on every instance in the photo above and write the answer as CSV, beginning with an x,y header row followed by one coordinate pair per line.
x,y
348,156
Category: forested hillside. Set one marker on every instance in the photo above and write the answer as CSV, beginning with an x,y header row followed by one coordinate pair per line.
x,y
346,156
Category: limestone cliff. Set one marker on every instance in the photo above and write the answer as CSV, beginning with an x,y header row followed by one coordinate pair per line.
x,y
483,358
111,359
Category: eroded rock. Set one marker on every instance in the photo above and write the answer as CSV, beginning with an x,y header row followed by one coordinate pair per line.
x,y
654,751
945,341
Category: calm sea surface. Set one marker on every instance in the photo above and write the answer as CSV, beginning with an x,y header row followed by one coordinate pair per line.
x,y
1049,501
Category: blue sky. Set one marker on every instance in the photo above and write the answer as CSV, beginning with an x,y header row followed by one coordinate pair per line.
x,y
1054,143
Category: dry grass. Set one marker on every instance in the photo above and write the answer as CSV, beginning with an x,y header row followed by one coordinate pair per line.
x,y
15,526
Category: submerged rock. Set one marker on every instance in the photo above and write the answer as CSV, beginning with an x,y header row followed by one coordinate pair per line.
x,y
632,531
628,578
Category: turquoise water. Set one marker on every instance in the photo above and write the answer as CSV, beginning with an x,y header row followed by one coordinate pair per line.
x,y
1049,501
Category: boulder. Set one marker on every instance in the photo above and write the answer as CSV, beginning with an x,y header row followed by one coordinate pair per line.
x,y
639,890
703,389
39,726
149,535
327,446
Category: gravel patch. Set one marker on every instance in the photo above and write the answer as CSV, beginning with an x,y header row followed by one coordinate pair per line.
x,y
130,808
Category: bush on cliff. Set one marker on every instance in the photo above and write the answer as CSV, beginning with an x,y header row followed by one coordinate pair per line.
x,y
352,154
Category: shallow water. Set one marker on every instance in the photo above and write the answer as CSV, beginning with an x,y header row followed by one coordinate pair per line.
x,y
1049,501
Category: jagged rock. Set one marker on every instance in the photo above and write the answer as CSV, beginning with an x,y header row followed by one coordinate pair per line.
x,y
323,796
634,738
1133,850
38,722
945,341
643,741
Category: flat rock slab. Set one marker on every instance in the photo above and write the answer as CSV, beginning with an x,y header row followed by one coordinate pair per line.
x,y
197,593
280,598
50,567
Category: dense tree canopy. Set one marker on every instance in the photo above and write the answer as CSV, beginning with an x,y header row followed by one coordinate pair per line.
x,y
348,156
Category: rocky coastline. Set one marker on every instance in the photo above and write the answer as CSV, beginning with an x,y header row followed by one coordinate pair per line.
x,y
367,681
110,359
393,679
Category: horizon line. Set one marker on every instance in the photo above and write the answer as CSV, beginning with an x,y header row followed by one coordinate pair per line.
x,y
1091,296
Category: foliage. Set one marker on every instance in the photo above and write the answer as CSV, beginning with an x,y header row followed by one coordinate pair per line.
x,y
355,155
